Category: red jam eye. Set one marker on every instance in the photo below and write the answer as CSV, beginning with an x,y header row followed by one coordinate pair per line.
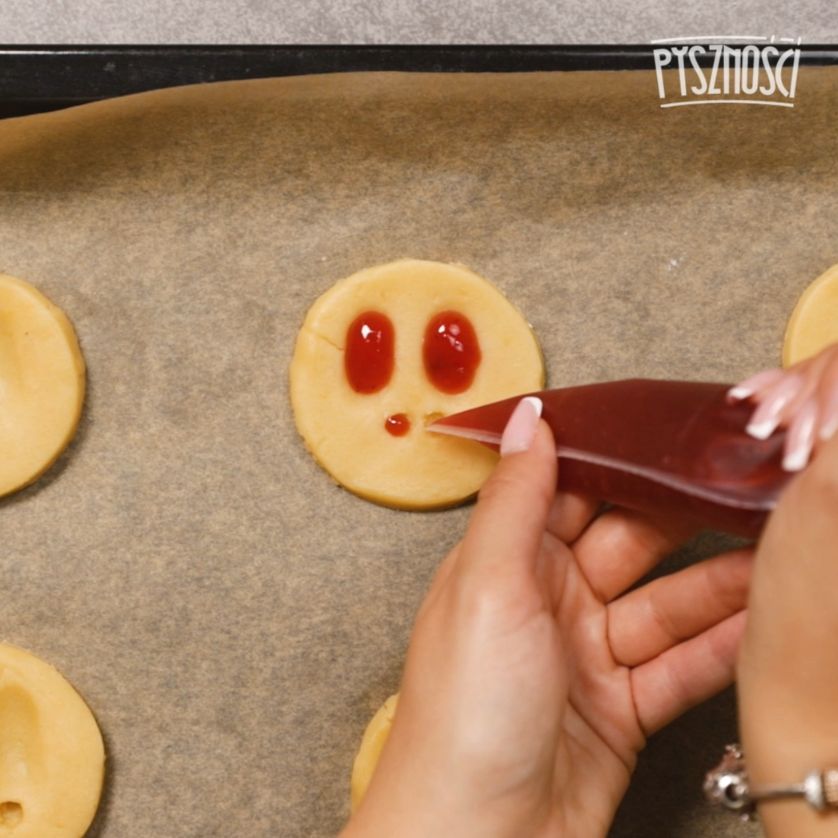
x,y
369,354
451,352
398,424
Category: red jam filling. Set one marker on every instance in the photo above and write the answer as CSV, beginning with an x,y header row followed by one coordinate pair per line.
x,y
451,352
369,355
398,424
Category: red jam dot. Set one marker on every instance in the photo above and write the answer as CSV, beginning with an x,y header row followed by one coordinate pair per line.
x,y
451,352
368,358
398,424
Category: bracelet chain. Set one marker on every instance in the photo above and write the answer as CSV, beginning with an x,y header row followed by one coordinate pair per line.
x,y
727,785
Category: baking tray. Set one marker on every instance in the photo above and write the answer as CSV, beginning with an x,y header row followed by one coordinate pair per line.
x,y
231,645
41,78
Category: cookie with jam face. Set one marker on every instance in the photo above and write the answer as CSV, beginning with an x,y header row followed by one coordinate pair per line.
x,y
391,348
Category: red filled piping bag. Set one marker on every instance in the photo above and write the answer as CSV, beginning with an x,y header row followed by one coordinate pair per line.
x,y
674,448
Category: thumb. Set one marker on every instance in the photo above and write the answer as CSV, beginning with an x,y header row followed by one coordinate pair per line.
x,y
509,520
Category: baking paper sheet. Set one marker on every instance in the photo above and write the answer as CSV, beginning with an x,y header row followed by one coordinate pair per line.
x,y
231,616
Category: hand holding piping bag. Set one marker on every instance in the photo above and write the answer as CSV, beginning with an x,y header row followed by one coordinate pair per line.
x,y
537,667
804,398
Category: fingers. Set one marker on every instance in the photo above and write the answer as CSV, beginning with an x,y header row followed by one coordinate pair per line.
x,y
771,404
570,514
508,523
828,400
806,415
803,398
686,674
800,440
755,386
621,547
646,622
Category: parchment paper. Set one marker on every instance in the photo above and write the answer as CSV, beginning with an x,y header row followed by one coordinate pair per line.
x,y
232,617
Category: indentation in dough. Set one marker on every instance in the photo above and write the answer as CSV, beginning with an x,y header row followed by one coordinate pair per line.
x,y
10,361
21,751
432,417
11,814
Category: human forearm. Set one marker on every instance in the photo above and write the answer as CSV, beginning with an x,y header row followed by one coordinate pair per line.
x,y
788,669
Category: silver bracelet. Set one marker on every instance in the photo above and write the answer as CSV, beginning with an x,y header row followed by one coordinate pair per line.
x,y
727,785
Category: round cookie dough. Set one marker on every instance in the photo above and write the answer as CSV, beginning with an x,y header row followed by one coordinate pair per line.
x,y
813,324
41,383
372,743
347,430
52,758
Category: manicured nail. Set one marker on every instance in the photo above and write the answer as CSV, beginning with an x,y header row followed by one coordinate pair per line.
x,y
801,438
520,429
745,389
767,416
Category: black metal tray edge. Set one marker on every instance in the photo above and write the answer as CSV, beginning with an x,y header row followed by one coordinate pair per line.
x,y
35,78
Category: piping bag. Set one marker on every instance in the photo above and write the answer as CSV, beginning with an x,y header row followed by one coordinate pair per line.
x,y
665,448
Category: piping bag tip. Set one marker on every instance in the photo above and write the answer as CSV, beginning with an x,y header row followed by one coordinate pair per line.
x,y
480,424
487,437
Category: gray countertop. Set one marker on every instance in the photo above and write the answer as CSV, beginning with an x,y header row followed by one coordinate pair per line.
x,y
405,21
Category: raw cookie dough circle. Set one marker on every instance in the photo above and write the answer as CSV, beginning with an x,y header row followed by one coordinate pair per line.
x,y
345,430
813,324
41,383
52,759
376,734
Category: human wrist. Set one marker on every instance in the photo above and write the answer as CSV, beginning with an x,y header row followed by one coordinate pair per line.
x,y
784,818
783,751
780,739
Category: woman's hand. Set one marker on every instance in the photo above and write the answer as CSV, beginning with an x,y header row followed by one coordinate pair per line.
x,y
534,673
803,398
788,672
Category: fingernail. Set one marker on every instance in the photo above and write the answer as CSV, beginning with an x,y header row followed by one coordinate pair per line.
x,y
767,416
745,389
801,438
520,429
763,429
740,392
830,424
